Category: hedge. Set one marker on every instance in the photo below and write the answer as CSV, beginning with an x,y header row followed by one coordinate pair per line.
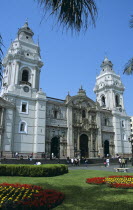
x,y
33,170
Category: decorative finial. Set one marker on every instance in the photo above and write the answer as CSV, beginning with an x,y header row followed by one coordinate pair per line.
x,y
81,87
96,72
68,93
26,21
105,54
38,41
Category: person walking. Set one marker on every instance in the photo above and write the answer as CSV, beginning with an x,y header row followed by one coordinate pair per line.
x,y
107,161
123,162
120,162
72,161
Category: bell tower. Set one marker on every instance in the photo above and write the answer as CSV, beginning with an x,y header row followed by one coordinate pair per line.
x,y
22,64
109,88
25,125
109,94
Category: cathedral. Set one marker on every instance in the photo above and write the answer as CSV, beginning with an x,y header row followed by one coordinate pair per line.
x,y
31,122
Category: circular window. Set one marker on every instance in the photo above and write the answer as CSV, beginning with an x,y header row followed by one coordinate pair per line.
x,y
26,89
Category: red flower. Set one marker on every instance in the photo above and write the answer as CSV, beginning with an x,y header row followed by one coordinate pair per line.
x,y
118,183
43,198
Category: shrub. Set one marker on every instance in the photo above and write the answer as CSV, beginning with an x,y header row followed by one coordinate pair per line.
x,y
33,170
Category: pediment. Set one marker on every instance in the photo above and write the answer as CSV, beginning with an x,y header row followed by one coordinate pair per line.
x,y
5,104
81,102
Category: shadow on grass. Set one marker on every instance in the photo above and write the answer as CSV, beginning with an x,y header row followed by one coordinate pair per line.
x,y
93,197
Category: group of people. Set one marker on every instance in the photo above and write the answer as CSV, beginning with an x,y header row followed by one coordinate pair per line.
x,y
122,162
75,161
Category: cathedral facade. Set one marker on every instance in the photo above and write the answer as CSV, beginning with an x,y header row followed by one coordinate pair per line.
x,y
31,122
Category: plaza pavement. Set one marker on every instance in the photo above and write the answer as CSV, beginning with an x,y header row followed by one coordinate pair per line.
x,y
100,167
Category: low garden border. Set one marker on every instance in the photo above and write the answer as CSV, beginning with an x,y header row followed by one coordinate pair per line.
x,y
47,170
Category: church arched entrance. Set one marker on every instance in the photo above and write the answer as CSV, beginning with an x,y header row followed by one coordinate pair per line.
x,y
106,148
55,147
84,145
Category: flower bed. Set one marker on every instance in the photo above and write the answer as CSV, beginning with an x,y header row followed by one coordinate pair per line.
x,y
17,196
96,180
113,181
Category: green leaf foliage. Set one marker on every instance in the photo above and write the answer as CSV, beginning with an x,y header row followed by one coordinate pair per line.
x,y
71,14
48,170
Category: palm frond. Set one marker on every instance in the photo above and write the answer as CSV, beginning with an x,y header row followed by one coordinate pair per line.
x,y
1,44
128,67
1,54
71,14
131,22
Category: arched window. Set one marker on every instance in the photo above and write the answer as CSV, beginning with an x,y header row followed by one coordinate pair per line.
x,y
124,136
83,114
24,107
103,101
55,114
22,127
93,118
123,123
117,100
25,76
106,121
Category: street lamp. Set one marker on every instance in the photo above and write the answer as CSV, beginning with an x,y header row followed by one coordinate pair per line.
x,y
130,139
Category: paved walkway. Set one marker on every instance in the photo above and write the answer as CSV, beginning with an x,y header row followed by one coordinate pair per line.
x,y
100,167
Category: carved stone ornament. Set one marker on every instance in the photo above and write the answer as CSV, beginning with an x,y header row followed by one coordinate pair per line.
x,y
26,89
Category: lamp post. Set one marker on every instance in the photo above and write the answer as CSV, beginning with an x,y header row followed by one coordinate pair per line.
x,y
130,139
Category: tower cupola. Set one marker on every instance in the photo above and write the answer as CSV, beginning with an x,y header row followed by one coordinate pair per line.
x,y
109,88
106,66
22,64
81,92
25,33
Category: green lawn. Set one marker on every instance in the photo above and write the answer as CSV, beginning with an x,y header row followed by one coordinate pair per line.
x,y
80,195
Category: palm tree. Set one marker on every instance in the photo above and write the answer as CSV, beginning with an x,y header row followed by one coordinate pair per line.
x,y
1,53
71,14
129,65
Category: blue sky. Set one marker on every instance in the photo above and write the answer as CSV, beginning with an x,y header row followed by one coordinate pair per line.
x,y
74,60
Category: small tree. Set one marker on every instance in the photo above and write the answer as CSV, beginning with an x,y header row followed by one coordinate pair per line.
x,y
71,14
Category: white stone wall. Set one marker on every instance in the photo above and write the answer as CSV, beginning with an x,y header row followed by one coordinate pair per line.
x,y
24,142
8,135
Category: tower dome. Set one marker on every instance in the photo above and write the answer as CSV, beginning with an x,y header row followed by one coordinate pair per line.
x,y
81,91
25,29
106,66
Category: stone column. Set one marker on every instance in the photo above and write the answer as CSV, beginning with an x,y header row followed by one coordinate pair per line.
x,y
34,78
91,150
70,146
1,120
1,129
78,142
40,124
17,72
7,145
99,135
